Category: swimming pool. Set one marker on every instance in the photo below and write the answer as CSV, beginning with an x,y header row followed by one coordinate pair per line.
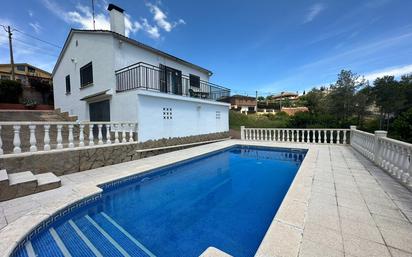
x,y
225,199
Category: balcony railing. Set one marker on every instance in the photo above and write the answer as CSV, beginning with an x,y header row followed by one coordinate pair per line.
x,y
146,76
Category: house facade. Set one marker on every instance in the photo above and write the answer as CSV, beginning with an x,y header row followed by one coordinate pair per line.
x,y
241,103
103,75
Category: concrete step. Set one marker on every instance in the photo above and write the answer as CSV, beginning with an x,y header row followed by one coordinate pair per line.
x,y
4,178
25,183
47,181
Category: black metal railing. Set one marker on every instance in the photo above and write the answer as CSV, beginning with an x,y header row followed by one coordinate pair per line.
x,y
145,76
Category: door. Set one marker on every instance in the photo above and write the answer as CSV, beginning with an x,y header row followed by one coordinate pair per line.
x,y
170,80
99,111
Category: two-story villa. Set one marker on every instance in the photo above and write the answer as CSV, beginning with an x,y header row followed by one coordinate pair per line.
x,y
103,75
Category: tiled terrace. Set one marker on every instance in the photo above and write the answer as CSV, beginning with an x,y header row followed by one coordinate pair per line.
x,y
339,204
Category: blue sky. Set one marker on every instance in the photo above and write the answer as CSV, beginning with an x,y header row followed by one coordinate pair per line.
x,y
269,46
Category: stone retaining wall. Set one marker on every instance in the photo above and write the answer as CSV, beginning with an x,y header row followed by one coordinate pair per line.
x,y
66,161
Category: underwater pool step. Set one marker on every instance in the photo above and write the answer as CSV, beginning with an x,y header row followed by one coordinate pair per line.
x,y
119,232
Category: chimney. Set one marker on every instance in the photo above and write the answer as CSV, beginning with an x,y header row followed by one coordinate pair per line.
x,y
116,19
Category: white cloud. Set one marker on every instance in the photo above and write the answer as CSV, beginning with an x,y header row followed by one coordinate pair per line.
x,y
36,27
83,17
31,13
152,31
313,11
391,71
161,18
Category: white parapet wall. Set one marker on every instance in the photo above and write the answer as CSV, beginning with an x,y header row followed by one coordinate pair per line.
x,y
167,116
393,156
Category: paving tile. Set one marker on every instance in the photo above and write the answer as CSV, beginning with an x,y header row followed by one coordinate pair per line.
x,y
392,224
313,249
359,247
293,213
398,239
280,240
352,203
324,236
381,210
362,216
399,253
361,230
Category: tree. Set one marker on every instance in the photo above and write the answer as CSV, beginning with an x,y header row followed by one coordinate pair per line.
x,y
389,97
402,126
362,100
314,100
342,95
10,91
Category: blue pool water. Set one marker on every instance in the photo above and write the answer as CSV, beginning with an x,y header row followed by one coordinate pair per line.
x,y
225,199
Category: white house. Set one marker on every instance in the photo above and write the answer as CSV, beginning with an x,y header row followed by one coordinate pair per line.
x,y
103,75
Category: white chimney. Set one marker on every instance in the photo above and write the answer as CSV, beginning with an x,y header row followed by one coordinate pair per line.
x,y
116,19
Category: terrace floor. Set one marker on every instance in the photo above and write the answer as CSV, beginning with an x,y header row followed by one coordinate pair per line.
x,y
339,204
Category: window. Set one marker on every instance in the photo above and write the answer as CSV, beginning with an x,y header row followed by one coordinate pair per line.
x,y
68,87
218,115
4,77
167,113
194,80
21,68
86,75
31,69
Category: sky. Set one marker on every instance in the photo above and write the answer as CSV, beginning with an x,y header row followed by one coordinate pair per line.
x,y
265,46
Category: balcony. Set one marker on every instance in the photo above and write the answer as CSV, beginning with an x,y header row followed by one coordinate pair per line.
x,y
166,80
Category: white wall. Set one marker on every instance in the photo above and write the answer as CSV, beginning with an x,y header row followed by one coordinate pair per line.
x,y
190,116
127,54
96,48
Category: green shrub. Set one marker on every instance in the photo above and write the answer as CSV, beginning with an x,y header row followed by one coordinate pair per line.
x,y
10,91
402,126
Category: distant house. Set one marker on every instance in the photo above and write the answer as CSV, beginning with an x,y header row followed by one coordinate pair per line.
x,y
293,110
285,95
37,83
102,75
24,73
241,103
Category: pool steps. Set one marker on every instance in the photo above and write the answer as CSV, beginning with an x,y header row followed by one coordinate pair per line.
x,y
19,184
90,235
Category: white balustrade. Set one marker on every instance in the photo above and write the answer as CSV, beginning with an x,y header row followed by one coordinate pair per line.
x,y
314,136
123,126
99,134
71,144
16,139
91,136
39,141
59,137
46,139
33,147
108,134
81,135
1,144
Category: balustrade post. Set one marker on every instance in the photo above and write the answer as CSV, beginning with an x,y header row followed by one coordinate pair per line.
x,y
71,144
108,134
1,143
116,134
123,133
376,145
351,133
91,136
59,137
81,135
46,139
131,132
33,147
99,134
16,139
242,132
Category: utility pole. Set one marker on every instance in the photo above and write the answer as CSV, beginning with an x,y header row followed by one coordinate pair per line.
x,y
9,31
